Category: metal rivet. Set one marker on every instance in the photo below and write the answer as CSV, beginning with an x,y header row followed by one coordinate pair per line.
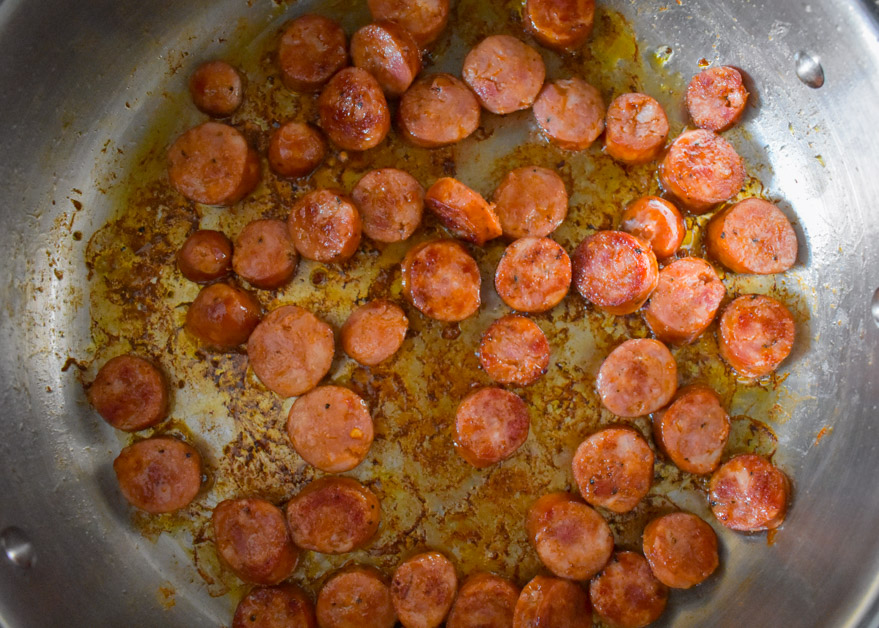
x,y
809,69
18,547
875,307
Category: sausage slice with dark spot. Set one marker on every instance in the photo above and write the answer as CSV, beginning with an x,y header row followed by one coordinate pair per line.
x,y
129,393
160,474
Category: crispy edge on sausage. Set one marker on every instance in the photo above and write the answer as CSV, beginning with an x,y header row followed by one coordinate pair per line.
x,y
353,111
388,52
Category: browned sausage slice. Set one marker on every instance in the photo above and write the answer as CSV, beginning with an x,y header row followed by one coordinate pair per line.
x,y
291,350
702,169
216,88
390,202
534,275
570,112
514,350
129,393
504,73
657,222
716,98
213,164
693,430
388,52
281,606
748,493
755,335
685,301
626,594
463,211
325,226
423,589
311,50
331,428
531,201
484,601
681,550
374,332
752,236
552,602
490,425
441,280
424,19
295,149
206,255
571,539
560,24
160,474
615,271
333,515
438,110
637,128
356,597
638,377
264,254
614,469
353,111
253,541
222,316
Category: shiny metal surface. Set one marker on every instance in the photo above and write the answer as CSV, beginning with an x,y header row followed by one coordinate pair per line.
x,y
81,81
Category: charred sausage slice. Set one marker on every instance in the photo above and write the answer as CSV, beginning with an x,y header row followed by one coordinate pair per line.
x,y
222,316
353,111
441,280
755,335
129,393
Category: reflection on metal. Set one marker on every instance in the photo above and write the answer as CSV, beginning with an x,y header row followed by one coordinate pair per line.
x,y
18,547
809,69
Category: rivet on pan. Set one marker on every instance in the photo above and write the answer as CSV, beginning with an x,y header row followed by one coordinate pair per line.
x,y
809,69
18,547
875,307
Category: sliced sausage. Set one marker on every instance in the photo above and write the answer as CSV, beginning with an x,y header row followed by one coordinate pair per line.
x,y
331,428
356,597
570,112
638,377
160,474
438,110
390,202
325,226
463,211
752,236
353,111
755,334
614,469
280,606
222,316
490,425
205,256
702,169
505,74
129,393
216,88
311,50
333,515
253,541
295,149
716,98
748,493
388,52
423,589
531,201
552,602
514,350
424,19
291,350
374,332
213,164
563,25
685,301
441,280
693,430
264,254
626,594
681,550
637,128
615,271
657,222
571,539
534,274
484,601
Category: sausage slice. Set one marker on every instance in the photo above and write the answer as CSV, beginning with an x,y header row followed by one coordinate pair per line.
x,y
554,602
657,222
353,111
325,226
693,430
295,149
424,19
531,201
637,128
129,393
275,607
463,211
514,350
752,236
681,550
160,474
264,254
423,589
390,202
205,256
216,88
222,316
563,25
504,73
638,377
490,425
484,601
570,112
388,52
755,334
311,50
441,280
438,110
626,594
716,98
534,274
374,332
356,597
614,469
749,494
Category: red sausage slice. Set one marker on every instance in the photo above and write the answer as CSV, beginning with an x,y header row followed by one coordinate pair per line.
x,y
560,24
702,169
423,589
129,393
638,377
388,52
534,275
311,50
325,226
159,474
484,601
213,164
570,113
424,19
374,332
353,111
441,280
438,110
463,211
614,469
390,202
356,597
222,316
295,149
514,350
626,594
531,201
749,494
716,98
554,602
637,128
504,73
681,550
275,607
615,271
216,88
657,222
291,350
752,236
252,540
693,430
205,256
264,254
755,335
490,425
571,539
